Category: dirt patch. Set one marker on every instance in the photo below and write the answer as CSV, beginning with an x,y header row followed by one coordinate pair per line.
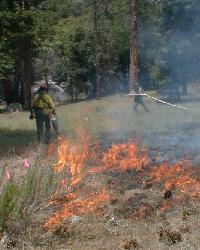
x,y
9,116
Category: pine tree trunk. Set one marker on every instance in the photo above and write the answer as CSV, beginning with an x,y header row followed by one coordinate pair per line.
x,y
27,73
133,47
27,64
97,59
21,92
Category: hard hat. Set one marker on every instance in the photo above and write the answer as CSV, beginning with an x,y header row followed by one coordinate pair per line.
x,y
43,86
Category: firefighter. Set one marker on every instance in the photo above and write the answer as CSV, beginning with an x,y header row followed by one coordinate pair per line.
x,y
139,99
43,109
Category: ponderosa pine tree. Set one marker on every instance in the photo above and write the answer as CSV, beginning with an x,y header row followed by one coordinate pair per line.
x,y
133,47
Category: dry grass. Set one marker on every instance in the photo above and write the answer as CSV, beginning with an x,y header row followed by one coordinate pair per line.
x,y
169,134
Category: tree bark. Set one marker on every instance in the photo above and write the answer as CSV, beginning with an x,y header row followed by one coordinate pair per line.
x,y
97,53
27,73
27,65
133,47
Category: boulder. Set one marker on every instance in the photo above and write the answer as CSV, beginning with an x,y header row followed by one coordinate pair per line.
x,y
3,105
58,94
13,107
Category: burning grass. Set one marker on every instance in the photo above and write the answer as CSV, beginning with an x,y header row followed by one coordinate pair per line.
x,y
164,187
84,192
111,185
78,207
121,157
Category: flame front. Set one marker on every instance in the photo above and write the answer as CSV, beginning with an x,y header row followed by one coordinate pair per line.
x,y
72,158
180,176
122,157
78,207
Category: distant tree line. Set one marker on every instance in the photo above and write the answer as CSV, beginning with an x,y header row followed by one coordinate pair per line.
x,y
86,45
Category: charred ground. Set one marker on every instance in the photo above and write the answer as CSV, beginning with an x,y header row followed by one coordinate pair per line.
x,y
113,204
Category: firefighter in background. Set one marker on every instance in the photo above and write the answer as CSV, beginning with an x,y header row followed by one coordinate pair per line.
x,y
43,110
139,98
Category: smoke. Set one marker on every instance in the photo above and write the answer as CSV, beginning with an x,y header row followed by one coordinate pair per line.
x,y
180,28
169,55
168,133
168,41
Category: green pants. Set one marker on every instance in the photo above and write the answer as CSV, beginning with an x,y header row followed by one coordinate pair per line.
x,y
141,102
43,120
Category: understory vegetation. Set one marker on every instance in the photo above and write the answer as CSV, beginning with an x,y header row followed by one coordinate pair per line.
x,y
55,40
28,198
113,177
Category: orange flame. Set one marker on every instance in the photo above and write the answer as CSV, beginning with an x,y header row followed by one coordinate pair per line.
x,y
65,198
62,157
122,157
71,157
77,207
180,176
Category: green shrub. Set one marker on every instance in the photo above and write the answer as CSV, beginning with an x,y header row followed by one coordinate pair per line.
x,y
22,195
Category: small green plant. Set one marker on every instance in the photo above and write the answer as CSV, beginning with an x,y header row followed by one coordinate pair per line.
x,y
8,202
22,194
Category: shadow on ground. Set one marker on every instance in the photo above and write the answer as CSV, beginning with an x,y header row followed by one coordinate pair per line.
x,y
15,141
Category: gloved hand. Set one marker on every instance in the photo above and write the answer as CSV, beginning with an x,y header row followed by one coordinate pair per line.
x,y
31,117
54,112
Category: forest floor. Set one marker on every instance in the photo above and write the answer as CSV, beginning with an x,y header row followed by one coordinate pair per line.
x,y
138,185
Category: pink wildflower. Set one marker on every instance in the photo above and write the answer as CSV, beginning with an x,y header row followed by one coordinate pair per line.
x,y
8,175
26,164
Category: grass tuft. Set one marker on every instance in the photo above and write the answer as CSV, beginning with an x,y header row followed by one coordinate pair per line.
x,y
24,193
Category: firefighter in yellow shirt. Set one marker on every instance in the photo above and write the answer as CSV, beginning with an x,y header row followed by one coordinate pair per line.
x,y
42,108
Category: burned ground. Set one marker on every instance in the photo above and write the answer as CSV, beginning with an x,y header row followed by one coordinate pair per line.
x,y
121,200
